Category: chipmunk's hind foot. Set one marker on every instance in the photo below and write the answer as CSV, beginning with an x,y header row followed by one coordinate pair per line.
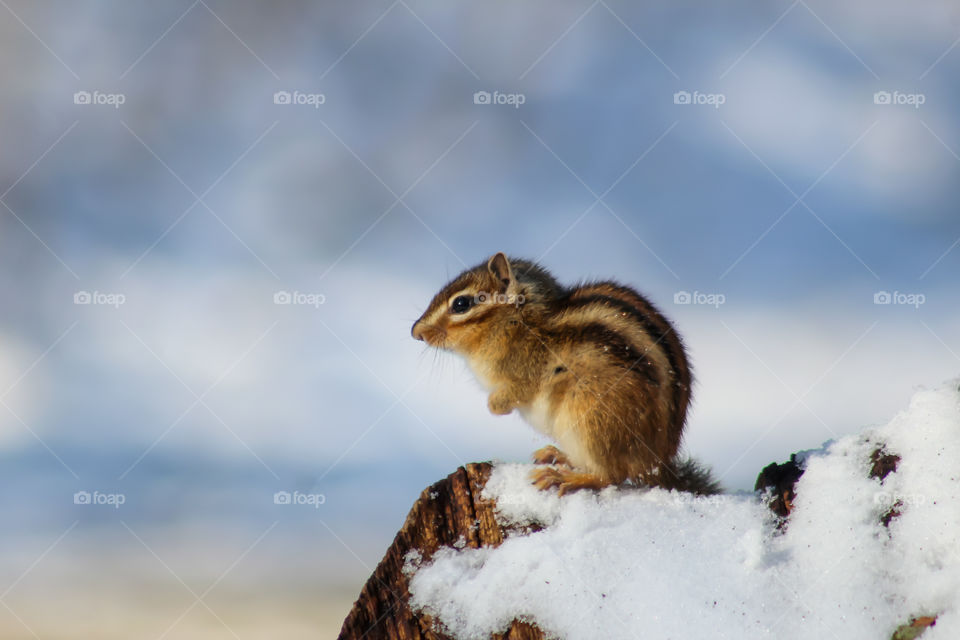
x,y
551,455
565,480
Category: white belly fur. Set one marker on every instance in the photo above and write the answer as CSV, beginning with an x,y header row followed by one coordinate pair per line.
x,y
561,430
538,415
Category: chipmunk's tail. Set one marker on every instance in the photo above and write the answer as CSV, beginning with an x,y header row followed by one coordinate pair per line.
x,y
686,474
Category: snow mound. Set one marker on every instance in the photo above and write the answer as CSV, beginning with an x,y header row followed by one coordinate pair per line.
x,y
659,564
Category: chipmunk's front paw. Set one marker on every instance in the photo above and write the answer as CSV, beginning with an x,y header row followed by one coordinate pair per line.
x,y
500,404
550,455
565,480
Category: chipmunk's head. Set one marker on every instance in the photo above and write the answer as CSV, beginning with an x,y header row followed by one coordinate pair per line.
x,y
492,296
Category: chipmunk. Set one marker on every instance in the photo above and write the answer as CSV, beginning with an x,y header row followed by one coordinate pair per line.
x,y
595,367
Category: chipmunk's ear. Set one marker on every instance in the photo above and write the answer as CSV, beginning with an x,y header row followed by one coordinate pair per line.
x,y
499,267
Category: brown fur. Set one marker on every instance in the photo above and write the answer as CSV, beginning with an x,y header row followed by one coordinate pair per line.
x,y
596,367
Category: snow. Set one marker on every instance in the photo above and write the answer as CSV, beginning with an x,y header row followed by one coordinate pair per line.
x,y
632,563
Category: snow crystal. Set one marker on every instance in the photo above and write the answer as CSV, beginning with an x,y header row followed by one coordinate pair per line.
x,y
411,562
656,564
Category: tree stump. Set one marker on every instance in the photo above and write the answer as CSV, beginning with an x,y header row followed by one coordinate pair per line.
x,y
453,513
446,513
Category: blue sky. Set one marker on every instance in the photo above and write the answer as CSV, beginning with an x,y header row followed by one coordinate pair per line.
x,y
797,199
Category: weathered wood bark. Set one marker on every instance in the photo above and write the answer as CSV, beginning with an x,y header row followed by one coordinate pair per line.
x,y
447,512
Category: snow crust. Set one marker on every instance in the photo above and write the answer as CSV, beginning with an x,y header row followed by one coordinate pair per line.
x,y
635,563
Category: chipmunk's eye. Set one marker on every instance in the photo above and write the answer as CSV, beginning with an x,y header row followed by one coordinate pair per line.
x,y
461,304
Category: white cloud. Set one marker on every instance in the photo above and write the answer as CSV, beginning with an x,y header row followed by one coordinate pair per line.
x,y
19,390
800,118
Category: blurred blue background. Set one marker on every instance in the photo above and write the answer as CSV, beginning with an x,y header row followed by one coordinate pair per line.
x,y
172,173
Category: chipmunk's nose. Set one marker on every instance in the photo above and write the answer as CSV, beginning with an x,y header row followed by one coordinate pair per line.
x,y
417,330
